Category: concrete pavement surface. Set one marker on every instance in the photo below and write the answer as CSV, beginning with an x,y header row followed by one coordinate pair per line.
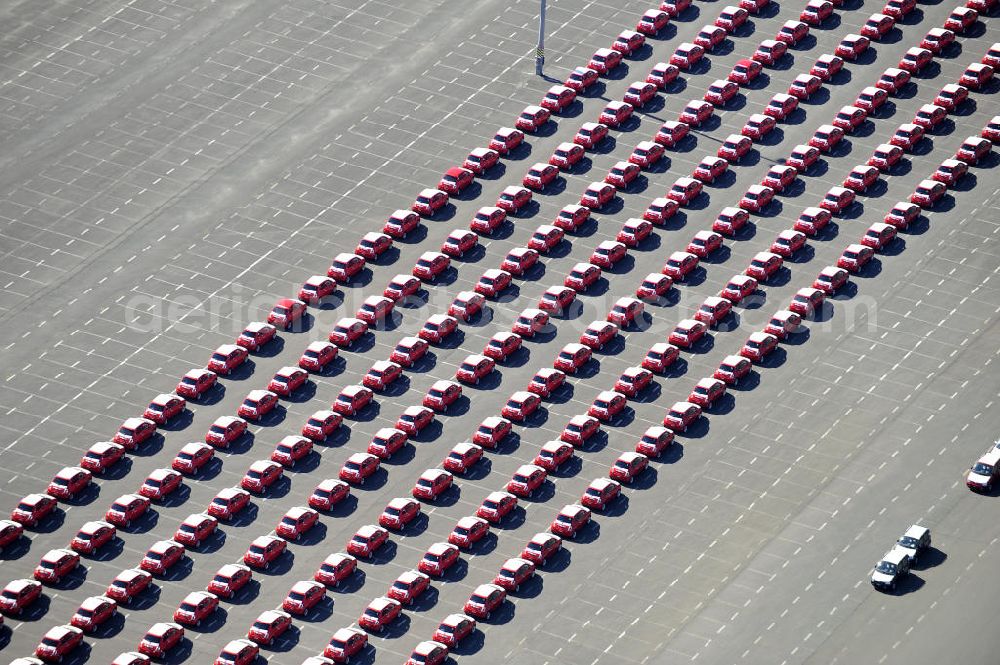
x,y
170,170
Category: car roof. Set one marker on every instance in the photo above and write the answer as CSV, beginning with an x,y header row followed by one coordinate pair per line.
x,y
895,556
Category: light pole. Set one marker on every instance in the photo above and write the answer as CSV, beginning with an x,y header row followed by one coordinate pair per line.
x,y
540,49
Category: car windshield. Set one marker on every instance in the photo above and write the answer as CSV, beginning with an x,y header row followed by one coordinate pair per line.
x,y
228,657
982,469
155,556
908,542
886,567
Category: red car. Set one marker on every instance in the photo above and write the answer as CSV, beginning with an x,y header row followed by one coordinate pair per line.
x,y
830,279
540,175
264,550
128,584
898,8
628,466
480,160
474,368
679,265
382,375
19,595
571,217
430,265
681,415
226,358
581,78
816,11
756,198
696,113
671,133
652,21
414,419
345,643
639,93
161,638
826,137
902,215
485,599
303,596
545,238
232,577
604,60
329,493
861,178
754,6
399,512
296,521
779,177
428,202
812,220
660,356
195,528
318,287
513,198
261,475
654,285
196,607
607,405
553,455
506,139
720,92
437,328
663,74
615,113
802,157
633,232
734,147
706,392
160,483
590,134
55,565
781,106
387,442
632,381
915,59
375,310
949,172
541,547
162,556
687,333
438,559
885,156
597,194
788,242
570,520
893,80
580,278
781,324
358,468
520,405
493,282
59,642
579,429
225,430
442,395
453,182
126,508
871,98
492,431
257,404
196,382
710,168
600,493
93,612
646,154
738,288
432,483
286,312
758,346
961,19
469,531
402,286
770,51
287,380
792,32
704,243
713,310
731,370
408,587
626,310
687,55
496,506
527,479
927,193
974,149
457,244
268,625
730,221
566,155
628,41
411,349
367,540
608,253
335,569
133,432
745,71
572,357
238,652
69,482
877,26
764,265
318,355
879,235
848,118
90,538
709,37
352,400
402,222
827,66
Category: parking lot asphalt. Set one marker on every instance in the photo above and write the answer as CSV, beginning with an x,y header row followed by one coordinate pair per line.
x,y
217,156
